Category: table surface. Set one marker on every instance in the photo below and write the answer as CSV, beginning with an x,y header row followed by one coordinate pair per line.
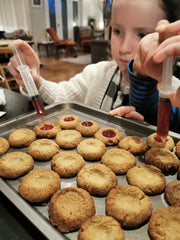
x,y
6,42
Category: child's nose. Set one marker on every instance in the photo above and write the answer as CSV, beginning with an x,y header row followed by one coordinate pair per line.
x,y
126,44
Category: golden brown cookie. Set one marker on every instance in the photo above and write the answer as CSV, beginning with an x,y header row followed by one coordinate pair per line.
x,y
4,145
148,178
21,137
134,145
172,193
129,206
67,164
164,224
163,159
152,142
91,149
43,149
15,164
39,185
178,149
70,207
87,128
47,129
101,227
109,136
118,160
69,121
68,139
97,179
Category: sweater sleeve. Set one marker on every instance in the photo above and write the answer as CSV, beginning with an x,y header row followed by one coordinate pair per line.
x,y
143,95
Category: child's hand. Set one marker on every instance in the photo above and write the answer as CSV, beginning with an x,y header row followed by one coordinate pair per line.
x,y
128,112
31,60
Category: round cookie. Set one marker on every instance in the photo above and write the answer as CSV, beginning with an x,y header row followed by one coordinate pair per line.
x,y
43,149
148,178
21,137
178,149
162,158
70,207
39,185
67,164
87,128
109,136
68,139
15,164
91,149
134,145
118,160
164,223
69,121
4,145
101,227
46,129
129,206
172,193
151,142
97,179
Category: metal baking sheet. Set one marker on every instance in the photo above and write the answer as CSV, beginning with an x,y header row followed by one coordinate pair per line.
x,y
38,215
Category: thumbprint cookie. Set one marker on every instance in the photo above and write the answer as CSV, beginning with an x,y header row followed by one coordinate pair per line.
x,y
109,136
178,149
87,128
21,137
154,141
70,207
4,145
69,121
172,193
46,129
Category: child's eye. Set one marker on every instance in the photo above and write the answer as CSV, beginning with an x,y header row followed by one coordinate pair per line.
x,y
141,35
116,31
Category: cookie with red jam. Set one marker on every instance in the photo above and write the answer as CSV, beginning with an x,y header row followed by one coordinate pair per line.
x,y
47,129
87,128
69,121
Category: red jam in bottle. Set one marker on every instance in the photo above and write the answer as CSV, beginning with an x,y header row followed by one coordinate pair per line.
x,y
109,133
39,107
69,119
164,115
87,124
47,127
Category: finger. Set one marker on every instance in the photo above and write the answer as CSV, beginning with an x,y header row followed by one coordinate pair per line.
x,y
121,111
14,72
175,98
135,115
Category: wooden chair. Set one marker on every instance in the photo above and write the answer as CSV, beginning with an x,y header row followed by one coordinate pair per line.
x,y
66,44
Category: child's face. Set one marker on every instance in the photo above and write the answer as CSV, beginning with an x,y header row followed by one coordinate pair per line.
x,y
131,20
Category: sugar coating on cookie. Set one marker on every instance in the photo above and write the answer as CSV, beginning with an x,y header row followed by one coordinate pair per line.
x,y
162,158
178,149
97,179
21,137
128,205
148,178
133,144
69,121
169,142
47,129
68,139
39,185
87,128
172,193
15,164
91,149
109,136
101,227
118,160
4,145
165,223
43,149
70,207
67,164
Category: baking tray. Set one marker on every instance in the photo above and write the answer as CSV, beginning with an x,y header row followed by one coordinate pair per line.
x,y
38,215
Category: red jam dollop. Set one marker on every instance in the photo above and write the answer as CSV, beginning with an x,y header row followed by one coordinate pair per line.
x,y
68,119
87,124
109,133
47,127
160,139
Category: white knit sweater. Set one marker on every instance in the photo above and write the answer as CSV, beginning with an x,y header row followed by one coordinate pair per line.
x,y
87,87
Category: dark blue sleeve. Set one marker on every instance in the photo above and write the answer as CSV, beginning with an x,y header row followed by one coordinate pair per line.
x,y
144,97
